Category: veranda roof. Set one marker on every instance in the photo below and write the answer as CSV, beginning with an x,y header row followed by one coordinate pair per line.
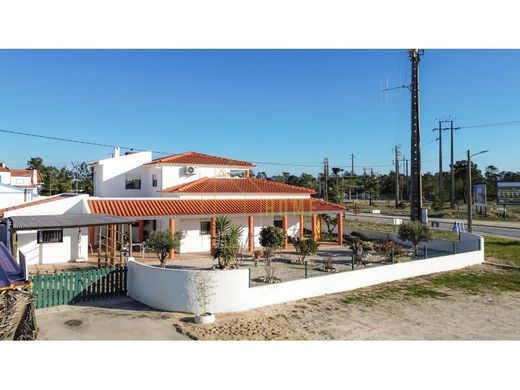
x,y
161,207
33,222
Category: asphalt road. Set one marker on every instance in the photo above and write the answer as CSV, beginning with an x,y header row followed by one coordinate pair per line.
x,y
477,228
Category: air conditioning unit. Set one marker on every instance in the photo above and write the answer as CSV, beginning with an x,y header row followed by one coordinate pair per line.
x,y
191,170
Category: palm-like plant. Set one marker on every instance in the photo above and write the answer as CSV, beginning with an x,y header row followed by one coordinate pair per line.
x,y
227,242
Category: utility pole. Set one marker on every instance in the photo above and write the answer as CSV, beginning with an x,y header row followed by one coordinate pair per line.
x,y
452,169
403,180
396,160
326,177
452,166
407,181
415,149
441,181
352,158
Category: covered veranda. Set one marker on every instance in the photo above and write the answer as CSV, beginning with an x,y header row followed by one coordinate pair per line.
x,y
250,213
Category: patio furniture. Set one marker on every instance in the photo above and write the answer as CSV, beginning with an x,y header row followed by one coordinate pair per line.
x,y
140,246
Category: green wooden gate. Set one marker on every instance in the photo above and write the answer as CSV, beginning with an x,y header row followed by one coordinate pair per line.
x,y
78,286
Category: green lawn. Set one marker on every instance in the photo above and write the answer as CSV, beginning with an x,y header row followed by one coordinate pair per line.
x,y
502,250
472,281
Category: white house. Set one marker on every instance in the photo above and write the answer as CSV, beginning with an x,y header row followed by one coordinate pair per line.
x,y
18,185
183,192
187,191
49,245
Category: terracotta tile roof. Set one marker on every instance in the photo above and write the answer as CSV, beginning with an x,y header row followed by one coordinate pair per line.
x,y
36,202
22,173
237,185
174,207
194,158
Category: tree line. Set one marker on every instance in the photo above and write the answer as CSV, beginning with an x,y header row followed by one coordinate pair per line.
x,y
372,186
58,180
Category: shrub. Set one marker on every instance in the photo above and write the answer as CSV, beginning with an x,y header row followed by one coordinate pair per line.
x,y
415,232
304,248
357,248
388,249
161,242
227,242
271,238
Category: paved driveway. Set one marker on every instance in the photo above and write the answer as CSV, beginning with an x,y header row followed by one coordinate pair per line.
x,y
115,319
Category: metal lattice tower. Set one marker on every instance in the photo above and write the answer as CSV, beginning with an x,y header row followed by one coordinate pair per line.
x,y
415,149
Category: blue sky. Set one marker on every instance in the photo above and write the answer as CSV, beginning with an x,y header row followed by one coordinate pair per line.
x,y
278,106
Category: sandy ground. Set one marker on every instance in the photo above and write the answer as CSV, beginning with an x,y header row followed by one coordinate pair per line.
x,y
366,315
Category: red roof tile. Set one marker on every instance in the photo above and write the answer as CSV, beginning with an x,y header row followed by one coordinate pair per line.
x,y
194,158
36,202
22,173
237,186
174,207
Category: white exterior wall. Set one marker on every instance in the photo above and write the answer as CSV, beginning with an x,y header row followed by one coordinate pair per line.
x,y
194,241
5,177
10,196
70,205
72,248
58,252
175,290
21,180
110,175
172,175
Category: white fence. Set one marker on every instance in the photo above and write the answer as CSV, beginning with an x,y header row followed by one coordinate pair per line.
x,y
177,290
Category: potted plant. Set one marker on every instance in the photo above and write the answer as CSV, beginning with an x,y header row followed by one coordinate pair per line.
x,y
204,284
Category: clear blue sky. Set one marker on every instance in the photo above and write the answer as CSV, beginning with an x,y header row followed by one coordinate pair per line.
x,y
280,106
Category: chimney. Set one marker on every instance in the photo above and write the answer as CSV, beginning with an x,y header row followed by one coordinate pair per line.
x,y
35,176
2,164
117,152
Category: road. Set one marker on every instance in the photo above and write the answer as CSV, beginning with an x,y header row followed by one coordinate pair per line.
x,y
478,227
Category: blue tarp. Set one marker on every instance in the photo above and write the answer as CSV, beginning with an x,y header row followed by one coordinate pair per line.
x,y
12,274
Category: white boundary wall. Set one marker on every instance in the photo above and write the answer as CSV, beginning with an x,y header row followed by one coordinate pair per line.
x,y
175,290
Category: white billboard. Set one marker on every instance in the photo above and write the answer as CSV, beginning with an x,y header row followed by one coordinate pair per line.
x,y
480,195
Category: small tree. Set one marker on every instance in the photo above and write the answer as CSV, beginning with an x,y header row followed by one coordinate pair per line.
x,y
415,232
204,283
161,242
227,242
331,223
271,238
304,248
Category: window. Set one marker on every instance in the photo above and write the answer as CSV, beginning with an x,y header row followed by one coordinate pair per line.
x,y
45,236
278,223
19,181
133,181
205,228
154,180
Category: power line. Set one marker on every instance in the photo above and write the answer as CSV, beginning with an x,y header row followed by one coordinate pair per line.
x,y
76,141
509,123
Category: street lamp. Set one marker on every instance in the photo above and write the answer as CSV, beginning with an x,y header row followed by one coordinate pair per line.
x,y
470,190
